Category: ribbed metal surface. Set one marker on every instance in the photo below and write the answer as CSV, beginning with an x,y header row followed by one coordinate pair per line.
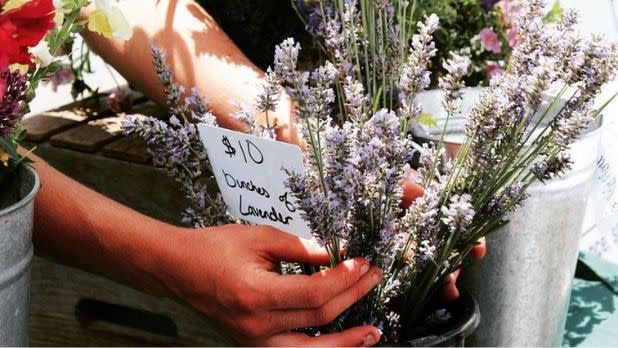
x,y
15,257
523,286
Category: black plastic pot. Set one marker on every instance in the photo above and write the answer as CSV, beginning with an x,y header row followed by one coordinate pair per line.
x,y
447,324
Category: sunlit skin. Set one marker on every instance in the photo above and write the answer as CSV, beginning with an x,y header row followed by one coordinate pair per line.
x,y
226,272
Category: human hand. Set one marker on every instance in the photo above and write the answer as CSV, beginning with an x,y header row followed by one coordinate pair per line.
x,y
228,273
411,191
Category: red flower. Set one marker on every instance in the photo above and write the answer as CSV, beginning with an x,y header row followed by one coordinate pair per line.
x,y
24,27
3,66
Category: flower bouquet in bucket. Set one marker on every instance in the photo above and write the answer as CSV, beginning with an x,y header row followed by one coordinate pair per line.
x,y
22,29
33,36
356,113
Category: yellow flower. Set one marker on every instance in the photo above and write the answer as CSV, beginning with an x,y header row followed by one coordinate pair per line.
x,y
22,68
108,20
12,4
4,158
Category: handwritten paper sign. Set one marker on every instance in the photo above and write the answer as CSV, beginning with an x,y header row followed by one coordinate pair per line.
x,y
250,173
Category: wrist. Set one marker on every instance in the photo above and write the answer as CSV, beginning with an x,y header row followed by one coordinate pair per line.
x,y
171,259
157,261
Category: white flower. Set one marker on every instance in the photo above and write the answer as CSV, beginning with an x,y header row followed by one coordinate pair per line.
x,y
42,54
108,20
60,11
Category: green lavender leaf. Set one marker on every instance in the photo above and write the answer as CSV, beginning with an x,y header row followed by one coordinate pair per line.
x,y
9,147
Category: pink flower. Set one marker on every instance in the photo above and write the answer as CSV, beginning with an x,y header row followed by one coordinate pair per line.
x,y
489,40
61,77
121,100
512,37
510,11
492,70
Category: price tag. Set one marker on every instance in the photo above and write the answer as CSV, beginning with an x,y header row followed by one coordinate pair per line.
x,y
250,173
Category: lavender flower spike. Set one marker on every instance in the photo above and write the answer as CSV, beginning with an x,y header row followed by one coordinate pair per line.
x,y
414,76
452,84
458,214
286,58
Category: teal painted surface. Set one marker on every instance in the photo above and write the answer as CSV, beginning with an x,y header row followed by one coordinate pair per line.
x,y
593,312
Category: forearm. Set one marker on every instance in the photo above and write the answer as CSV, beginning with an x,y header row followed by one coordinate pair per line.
x,y
199,53
225,272
78,226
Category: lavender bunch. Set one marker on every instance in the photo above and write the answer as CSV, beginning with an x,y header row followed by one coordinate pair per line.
x,y
358,149
369,43
176,146
517,133
177,149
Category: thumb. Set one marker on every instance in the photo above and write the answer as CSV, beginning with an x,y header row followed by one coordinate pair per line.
x,y
411,191
282,246
361,336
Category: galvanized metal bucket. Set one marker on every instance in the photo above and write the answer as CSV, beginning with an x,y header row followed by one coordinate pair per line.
x,y
523,285
15,256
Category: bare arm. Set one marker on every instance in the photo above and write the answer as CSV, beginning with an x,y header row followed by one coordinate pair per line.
x,y
199,53
227,272
77,226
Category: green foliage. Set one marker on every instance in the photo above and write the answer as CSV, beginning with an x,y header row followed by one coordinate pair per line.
x,y
79,63
56,39
460,22
8,145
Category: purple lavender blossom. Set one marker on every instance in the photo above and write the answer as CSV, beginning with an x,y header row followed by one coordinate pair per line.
x,y
11,103
551,167
458,214
177,148
286,58
356,100
452,83
173,92
270,93
315,21
414,77
249,118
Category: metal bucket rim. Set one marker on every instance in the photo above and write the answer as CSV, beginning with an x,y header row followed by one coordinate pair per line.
x,y
595,127
36,185
466,326
476,92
